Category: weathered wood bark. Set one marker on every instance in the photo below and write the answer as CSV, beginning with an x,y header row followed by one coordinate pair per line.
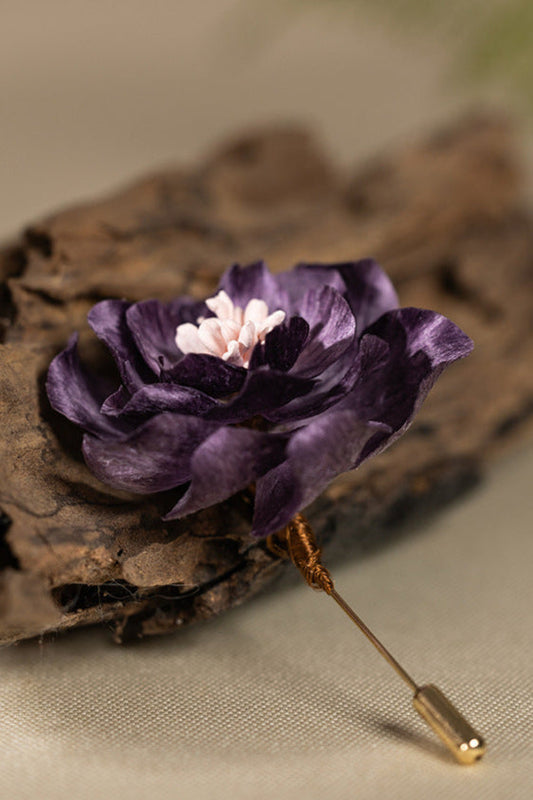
x,y
447,221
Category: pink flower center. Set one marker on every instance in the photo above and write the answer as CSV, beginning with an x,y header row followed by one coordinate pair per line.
x,y
232,333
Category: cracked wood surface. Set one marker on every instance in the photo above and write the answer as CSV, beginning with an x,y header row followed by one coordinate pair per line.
x,y
446,219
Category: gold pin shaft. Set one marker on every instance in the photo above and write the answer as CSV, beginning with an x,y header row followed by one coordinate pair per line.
x,y
450,726
375,641
298,543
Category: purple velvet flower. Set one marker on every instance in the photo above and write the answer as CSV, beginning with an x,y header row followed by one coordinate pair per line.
x,y
283,380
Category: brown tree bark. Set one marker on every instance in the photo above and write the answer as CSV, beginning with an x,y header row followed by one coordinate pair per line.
x,y
446,219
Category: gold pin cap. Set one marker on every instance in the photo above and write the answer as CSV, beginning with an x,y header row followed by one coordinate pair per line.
x,y
452,728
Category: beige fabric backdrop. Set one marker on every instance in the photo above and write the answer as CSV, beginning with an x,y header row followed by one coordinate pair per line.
x,y
281,698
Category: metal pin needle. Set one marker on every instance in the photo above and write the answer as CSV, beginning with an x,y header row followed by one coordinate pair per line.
x,y
450,726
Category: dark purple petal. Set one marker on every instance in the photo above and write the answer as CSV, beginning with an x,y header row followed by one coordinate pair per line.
x,y
404,354
296,282
209,374
369,290
186,309
331,386
153,327
388,386
332,330
155,457
282,345
316,454
108,321
225,463
416,329
157,397
263,390
78,395
243,284
113,405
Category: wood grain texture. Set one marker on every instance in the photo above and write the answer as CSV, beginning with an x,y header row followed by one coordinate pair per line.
x,y
446,219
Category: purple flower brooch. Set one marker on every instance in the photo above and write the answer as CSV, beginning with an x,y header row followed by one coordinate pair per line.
x,y
283,381
280,382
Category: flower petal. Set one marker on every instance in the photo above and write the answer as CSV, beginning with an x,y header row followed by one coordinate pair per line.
x,y
255,281
369,291
282,345
108,321
158,397
153,327
155,457
256,310
405,351
188,339
296,282
78,395
439,338
316,454
233,354
221,305
332,330
207,373
274,319
211,336
225,463
247,335
264,389
331,386
230,330
113,405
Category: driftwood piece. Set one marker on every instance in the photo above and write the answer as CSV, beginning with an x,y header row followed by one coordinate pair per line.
x,y
446,219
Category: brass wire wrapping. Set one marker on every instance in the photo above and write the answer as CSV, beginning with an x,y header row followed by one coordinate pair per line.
x,y
297,542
